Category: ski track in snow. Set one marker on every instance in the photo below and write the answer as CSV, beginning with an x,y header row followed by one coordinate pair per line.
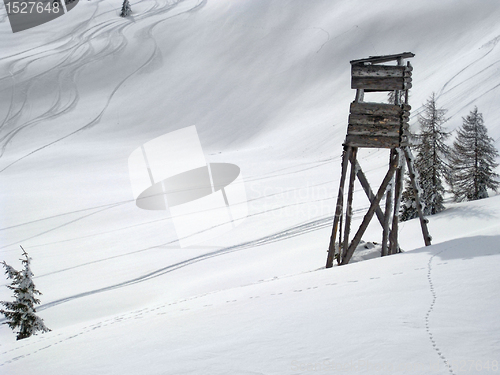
x,y
441,92
79,55
285,234
358,211
70,67
259,178
327,38
50,339
83,40
465,95
100,209
278,236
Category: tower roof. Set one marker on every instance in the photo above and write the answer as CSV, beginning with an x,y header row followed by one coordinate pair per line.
x,y
383,58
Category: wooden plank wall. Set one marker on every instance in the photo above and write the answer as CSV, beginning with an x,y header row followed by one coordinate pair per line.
x,y
381,77
377,125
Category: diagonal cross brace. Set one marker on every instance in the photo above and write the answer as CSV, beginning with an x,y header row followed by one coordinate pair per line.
x,y
371,211
369,193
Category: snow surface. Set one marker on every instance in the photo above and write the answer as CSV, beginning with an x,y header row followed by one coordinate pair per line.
x,y
267,85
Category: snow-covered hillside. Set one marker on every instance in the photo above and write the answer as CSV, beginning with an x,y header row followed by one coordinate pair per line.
x,y
267,85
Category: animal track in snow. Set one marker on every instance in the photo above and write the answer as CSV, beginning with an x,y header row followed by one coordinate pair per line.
x,y
429,311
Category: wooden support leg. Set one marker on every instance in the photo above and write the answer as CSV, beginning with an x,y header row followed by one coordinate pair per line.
x,y
388,212
371,212
393,238
348,215
338,255
423,220
338,210
360,96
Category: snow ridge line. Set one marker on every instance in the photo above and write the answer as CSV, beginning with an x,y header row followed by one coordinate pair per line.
x,y
427,315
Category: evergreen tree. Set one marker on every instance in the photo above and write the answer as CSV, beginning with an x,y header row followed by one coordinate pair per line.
x,y
430,165
408,204
473,160
21,313
391,97
126,10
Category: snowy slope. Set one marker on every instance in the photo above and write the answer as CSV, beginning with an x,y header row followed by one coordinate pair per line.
x,y
416,312
267,85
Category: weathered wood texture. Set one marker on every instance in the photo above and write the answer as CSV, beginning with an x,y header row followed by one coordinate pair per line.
x,y
369,193
380,109
362,119
393,236
372,141
371,84
380,71
371,211
387,218
381,77
360,95
350,194
384,58
374,130
338,210
378,125
388,210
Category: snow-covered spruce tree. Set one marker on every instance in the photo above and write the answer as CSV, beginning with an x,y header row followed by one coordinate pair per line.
x,y
126,10
473,160
21,313
408,206
430,163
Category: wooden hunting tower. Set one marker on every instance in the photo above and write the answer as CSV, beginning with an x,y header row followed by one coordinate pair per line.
x,y
376,125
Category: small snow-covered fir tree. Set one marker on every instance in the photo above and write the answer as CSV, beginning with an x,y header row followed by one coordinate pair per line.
x,y
21,313
473,160
408,206
430,163
126,10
